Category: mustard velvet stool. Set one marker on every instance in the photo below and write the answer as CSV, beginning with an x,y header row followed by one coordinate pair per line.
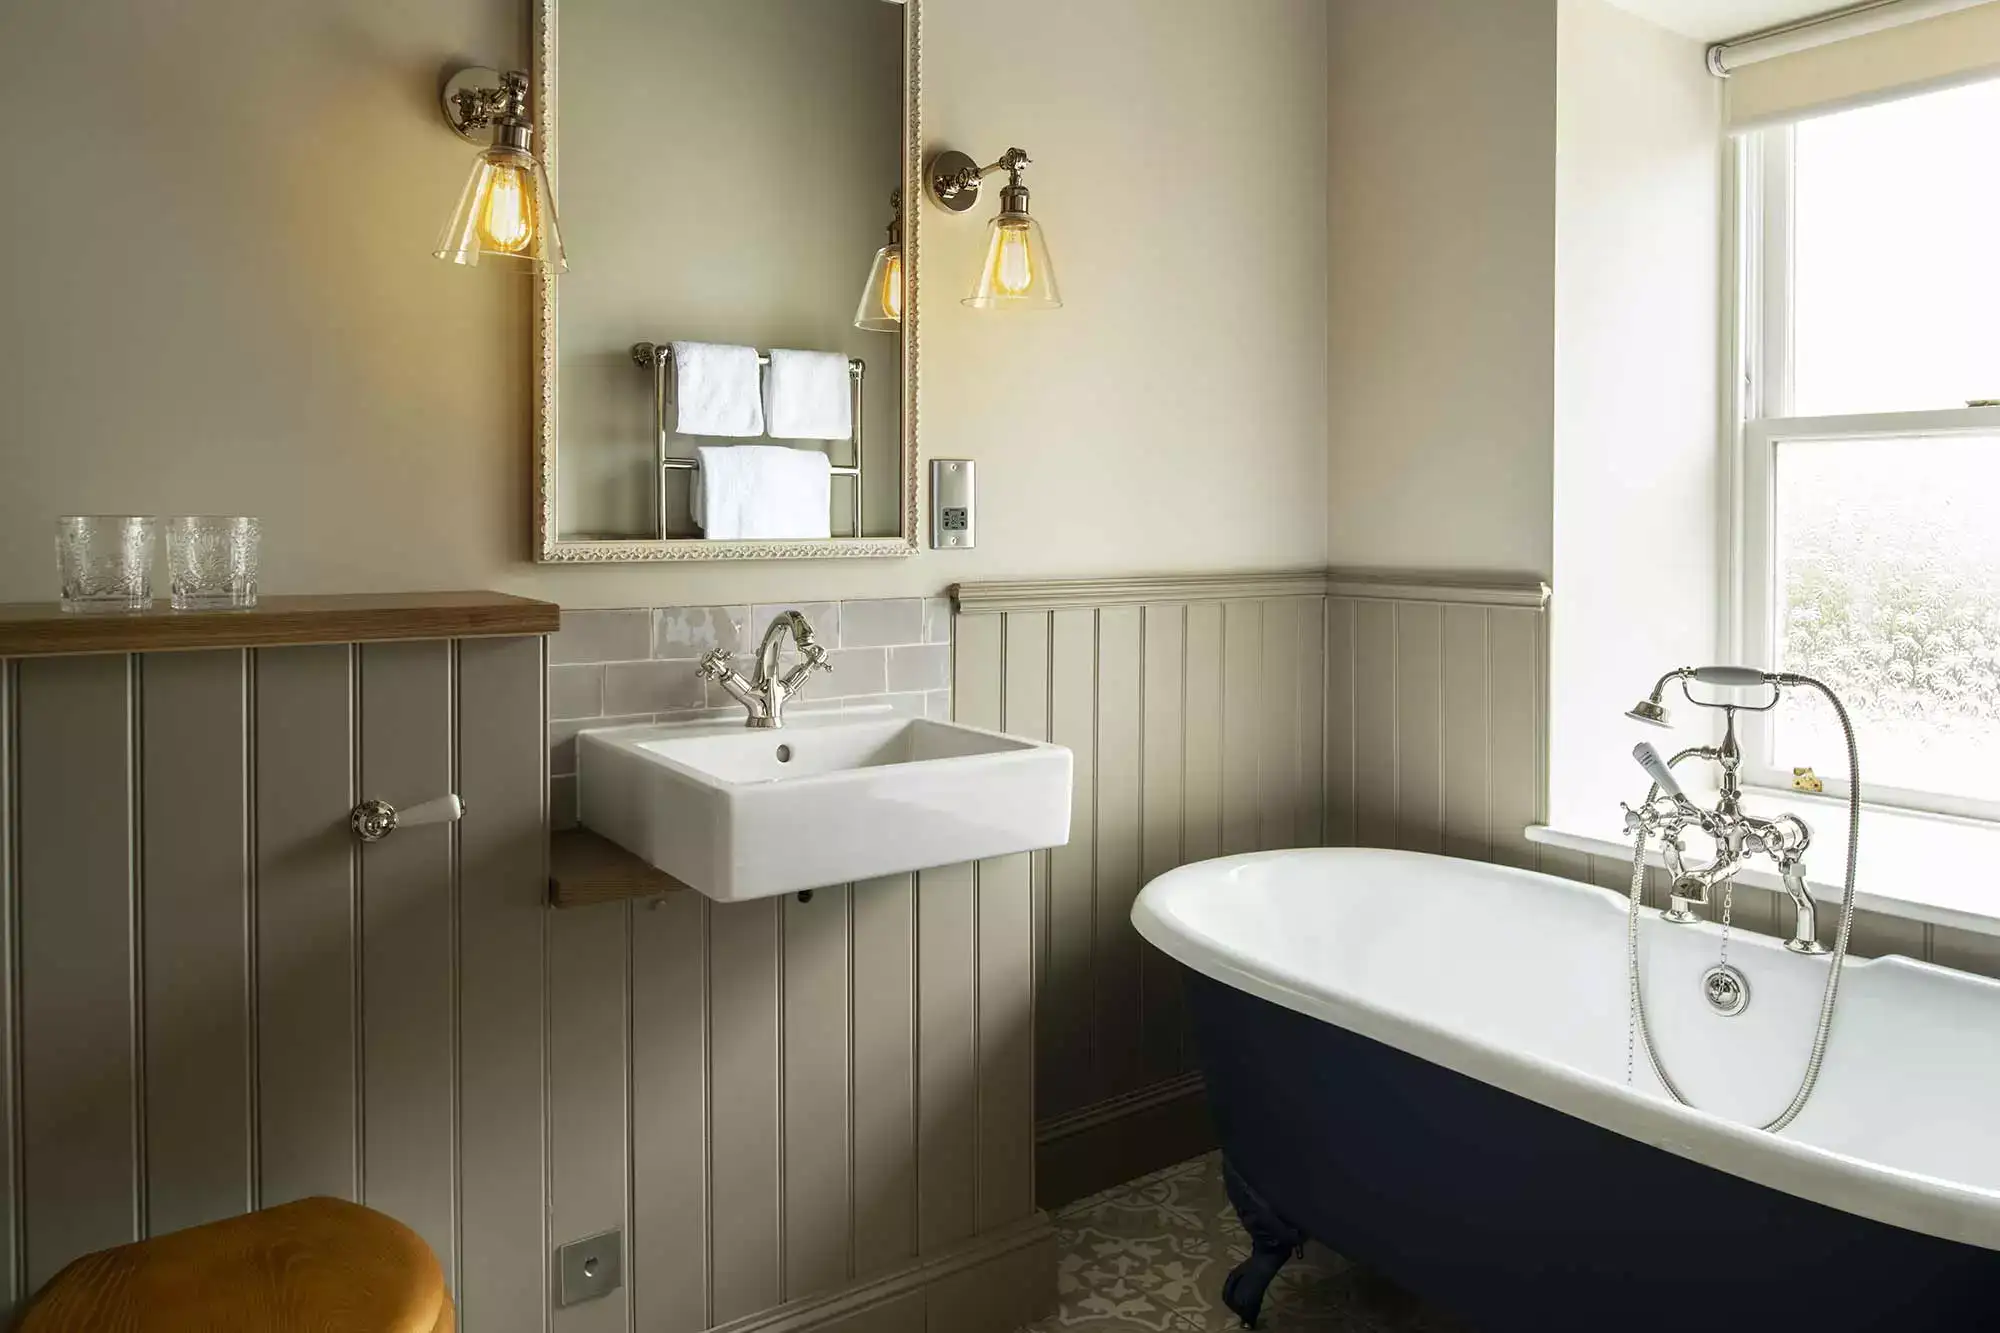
x,y
319,1264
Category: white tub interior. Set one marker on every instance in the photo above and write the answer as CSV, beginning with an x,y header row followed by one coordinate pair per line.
x,y
1519,979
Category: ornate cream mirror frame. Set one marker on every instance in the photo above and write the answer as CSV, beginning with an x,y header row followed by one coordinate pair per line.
x,y
550,546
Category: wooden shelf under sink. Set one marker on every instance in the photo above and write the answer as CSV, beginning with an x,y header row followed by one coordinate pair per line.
x,y
585,869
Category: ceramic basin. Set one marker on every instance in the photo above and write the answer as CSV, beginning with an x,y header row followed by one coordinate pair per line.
x,y
828,798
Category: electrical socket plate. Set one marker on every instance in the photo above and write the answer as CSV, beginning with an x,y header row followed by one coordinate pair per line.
x,y
591,1267
951,504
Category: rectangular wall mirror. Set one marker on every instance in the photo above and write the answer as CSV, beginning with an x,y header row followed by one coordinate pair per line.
x,y
728,172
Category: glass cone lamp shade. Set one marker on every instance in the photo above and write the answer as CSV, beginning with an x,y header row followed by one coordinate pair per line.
x,y
881,308
507,213
1017,274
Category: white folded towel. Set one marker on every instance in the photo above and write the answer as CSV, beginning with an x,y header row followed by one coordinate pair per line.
x,y
809,396
716,390
762,490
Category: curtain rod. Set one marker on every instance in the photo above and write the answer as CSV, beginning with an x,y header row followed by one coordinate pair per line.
x,y
1821,29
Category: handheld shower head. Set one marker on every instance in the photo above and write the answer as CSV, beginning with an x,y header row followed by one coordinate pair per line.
x,y
1657,769
1650,711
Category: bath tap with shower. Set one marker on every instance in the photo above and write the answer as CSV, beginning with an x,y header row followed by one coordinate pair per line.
x,y
1737,836
1668,813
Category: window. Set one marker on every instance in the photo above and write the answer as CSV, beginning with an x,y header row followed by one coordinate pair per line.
x,y
1868,495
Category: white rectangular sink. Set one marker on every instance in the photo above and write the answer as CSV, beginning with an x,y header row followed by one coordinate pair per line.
x,y
829,797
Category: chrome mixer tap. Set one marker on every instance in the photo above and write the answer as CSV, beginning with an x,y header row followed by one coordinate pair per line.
x,y
1668,813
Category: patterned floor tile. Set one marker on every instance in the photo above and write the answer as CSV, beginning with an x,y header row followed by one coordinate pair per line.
x,y
1149,1256
1144,1253
1151,1280
1113,1324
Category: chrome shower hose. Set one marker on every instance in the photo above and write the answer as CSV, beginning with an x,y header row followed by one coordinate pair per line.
x,y
1829,997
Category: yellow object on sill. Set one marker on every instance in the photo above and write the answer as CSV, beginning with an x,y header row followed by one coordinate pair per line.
x,y
1804,779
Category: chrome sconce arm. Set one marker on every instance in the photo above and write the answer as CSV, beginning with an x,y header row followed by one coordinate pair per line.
x,y
1017,273
477,99
953,180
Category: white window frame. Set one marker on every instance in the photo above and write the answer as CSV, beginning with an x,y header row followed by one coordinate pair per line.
x,y
1761,415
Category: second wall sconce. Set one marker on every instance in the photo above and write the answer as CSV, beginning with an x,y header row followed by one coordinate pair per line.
x,y
1017,273
881,308
507,211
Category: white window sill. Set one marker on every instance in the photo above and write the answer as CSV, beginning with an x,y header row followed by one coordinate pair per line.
x,y
1918,867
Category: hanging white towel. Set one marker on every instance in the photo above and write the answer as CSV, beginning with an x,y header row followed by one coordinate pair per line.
x,y
762,490
809,396
716,390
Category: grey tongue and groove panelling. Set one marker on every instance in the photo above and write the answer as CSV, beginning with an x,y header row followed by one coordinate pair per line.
x,y
216,999
1194,709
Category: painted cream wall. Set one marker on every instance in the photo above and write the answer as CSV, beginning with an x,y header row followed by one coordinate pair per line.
x,y
1441,240
219,296
1637,485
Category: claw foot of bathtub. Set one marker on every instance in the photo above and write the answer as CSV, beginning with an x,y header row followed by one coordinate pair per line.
x,y
1273,1241
1243,1290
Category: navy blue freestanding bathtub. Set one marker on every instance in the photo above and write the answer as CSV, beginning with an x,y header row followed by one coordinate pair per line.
x,y
1422,1063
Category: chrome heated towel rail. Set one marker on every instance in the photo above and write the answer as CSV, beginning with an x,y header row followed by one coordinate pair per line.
x,y
660,357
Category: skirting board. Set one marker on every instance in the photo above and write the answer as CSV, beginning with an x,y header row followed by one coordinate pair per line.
x,y
995,1283
1114,1141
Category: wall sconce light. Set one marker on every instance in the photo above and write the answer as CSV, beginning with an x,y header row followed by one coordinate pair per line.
x,y
507,211
1017,273
881,308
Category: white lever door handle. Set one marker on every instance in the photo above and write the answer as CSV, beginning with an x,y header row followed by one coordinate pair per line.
x,y
373,821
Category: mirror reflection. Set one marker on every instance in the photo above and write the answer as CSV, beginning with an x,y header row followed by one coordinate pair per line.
x,y
730,176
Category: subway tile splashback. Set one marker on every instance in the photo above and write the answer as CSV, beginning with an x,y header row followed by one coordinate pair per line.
x,y
637,664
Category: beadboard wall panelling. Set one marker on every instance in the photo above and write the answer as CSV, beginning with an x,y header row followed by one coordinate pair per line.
x,y
1002,932
747,1220
499,1108
882,1083
816,1128
13,1247
778,1099
1436,716
409,902
669,1241
195,866
589,1121
226,1001
947,1057
1194,708
81,1030
307,907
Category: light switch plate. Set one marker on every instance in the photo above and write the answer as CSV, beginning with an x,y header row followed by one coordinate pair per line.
x,y
951,504
591,1267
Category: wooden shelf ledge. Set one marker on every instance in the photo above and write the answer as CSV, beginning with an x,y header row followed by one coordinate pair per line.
x,y
585,869
44,629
